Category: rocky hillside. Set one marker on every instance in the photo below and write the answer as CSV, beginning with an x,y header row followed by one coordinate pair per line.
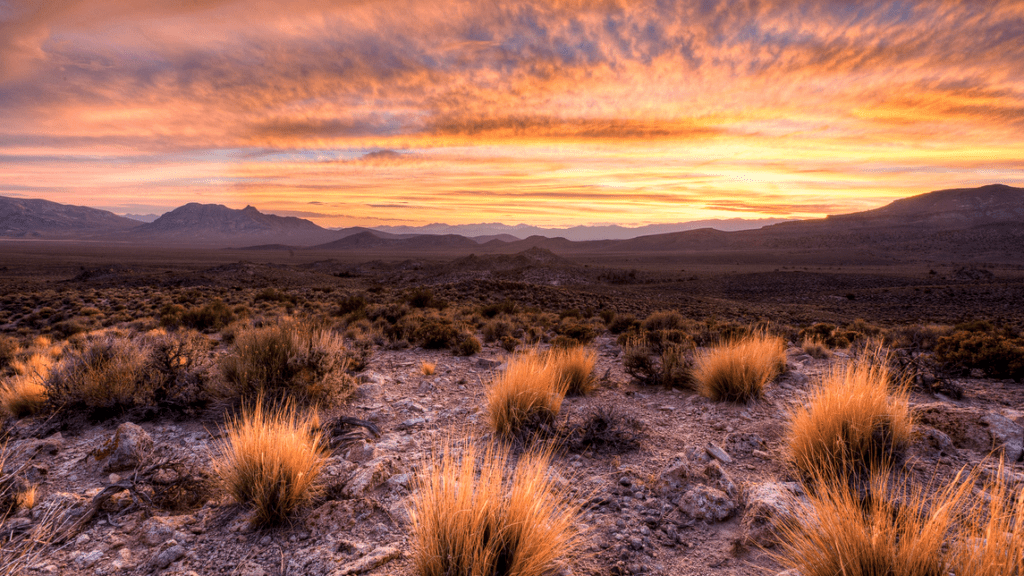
x,y
216,225
28,218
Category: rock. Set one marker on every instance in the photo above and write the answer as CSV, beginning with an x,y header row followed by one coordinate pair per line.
x,y
165,476
770,506
1005,434
249,568
373,474
50,446
706,503
88,560
744,443
156,531
412,423
367,392
697,457
720,479
170,553
962,425
937,441
128,449
370,377
361,451
374,559
486,364
716,452
677,473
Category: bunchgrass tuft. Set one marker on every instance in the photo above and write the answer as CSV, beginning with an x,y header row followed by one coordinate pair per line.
x,y
525,398
855,418
428,368
901,529
815,347
575,367
270,458
480,517
891,532
741,369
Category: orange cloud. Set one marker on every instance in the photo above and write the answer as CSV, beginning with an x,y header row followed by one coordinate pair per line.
x,y
575,111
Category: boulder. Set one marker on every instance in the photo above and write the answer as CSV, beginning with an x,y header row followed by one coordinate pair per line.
x,y
127,449
706,503
370,476
770,507
1006,435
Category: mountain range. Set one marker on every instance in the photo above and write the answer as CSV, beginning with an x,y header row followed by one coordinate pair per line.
x,y
966,223
579,233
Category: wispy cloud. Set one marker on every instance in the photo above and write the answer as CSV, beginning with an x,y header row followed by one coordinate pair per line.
x,y
567,106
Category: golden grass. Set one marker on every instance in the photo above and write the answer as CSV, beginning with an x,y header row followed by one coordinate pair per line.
x,y
473,518
891,534
24,393
740,369
525,397
271,458
575,367
856,418
27,498
815,347
908,530
428,368
991,542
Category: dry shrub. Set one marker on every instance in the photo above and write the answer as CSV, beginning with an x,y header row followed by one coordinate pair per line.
x,y
304,361
909,530
270,457
815,347
473,518
526,397
24,393
428,368
740,369
8,351
575,367
856,418
103,372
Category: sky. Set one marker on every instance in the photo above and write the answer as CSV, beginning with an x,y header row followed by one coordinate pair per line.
x,y
547,112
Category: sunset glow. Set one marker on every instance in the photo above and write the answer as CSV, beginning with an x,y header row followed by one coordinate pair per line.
x,y
553,113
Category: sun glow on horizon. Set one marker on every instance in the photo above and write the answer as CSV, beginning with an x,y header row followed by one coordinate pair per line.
x,y
522,111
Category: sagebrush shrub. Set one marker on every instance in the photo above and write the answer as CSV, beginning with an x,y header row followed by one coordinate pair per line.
x,y
480,517
303,361
104,371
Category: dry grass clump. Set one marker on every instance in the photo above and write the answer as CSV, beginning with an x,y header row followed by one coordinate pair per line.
x,y
575,367
24,393
270,458
856,418
740,369
428,368
526,397
301,360
908,530
892,533
815,347
991,540
473,518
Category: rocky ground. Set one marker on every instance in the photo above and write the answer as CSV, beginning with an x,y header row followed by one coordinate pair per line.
x,y
698,495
